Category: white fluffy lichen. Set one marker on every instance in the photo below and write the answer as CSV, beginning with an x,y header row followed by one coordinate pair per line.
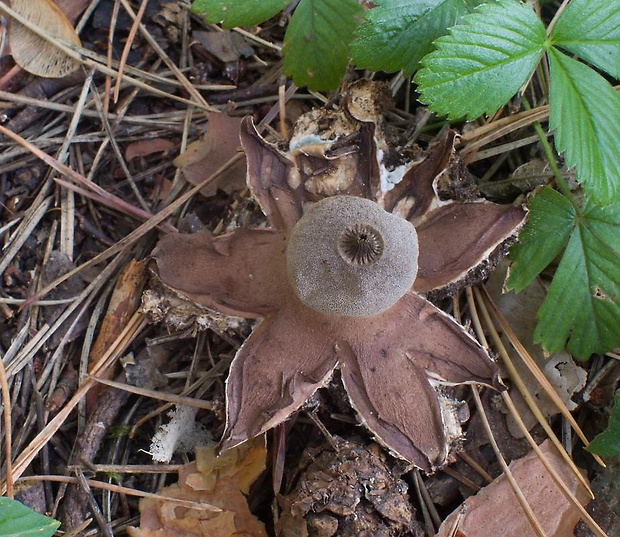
x,y
181,434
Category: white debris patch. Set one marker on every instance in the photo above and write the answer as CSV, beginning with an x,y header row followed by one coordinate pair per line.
x,y
389,178
181,434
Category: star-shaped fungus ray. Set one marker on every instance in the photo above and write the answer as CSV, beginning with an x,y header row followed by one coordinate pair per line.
x,y
335,280
386,363
459,238
200,265
283,362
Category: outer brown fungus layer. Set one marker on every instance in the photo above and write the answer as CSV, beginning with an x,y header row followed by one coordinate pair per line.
x,y
334,286
347,256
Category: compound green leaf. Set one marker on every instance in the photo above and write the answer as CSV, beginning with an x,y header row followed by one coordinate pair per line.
x,y
607,444
581,307
550,222
582,304
398,33
17,520
483,62
231,13
317,41
591,30
585,113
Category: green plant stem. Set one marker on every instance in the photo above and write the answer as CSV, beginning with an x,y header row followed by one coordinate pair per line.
x,y
556,17
559,179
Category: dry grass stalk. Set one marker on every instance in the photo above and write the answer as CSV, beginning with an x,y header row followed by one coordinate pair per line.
x,y
120,489
8,431
514,376
508,400
540,377
156,394
133,328
520,498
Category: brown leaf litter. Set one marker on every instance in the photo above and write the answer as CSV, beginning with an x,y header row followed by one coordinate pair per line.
x,y
221,483
350,492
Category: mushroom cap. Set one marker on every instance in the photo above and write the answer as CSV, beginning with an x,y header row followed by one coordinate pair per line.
x,y
347,256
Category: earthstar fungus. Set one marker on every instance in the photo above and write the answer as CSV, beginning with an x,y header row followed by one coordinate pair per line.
x,y
334,283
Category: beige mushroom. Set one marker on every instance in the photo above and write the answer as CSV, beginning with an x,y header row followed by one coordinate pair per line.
x,y
347,256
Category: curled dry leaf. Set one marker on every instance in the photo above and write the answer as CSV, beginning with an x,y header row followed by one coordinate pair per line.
x,y
124,302
390,350
496,511
220,482
204,157
34,53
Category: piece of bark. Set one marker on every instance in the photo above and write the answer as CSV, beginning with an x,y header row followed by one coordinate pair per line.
x,y
496,511
124,302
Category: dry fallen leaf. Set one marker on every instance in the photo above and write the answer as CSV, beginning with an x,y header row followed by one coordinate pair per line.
x,y
35,54
204,157
226,46
496,511
123,304
221,482
143,148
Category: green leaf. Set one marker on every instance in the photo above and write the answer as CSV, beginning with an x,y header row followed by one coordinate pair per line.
x,y
550,222
316,44
585,113
582,305
398,33
231,13
483,62
17,520
607,443
591,30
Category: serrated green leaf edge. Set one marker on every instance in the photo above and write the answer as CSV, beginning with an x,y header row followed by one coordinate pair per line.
x,y
317,41
483,62
585,114
17,520
231,13
607,443
550,223
582,305
591,30
398,33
